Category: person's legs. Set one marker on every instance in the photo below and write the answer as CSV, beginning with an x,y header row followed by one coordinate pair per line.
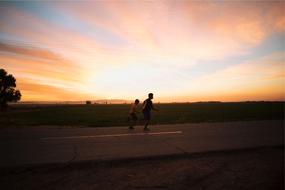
x,y
133,120
147,120
130,121
131,126
146,123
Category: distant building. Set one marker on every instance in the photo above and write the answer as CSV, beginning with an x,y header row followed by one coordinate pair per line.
x,y
88,102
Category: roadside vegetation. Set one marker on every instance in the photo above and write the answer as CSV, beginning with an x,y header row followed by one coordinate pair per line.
x,y
99,115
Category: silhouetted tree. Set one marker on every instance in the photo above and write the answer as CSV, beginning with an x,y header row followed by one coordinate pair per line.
x,y
8,93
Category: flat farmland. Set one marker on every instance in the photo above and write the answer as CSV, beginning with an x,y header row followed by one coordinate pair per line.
x,y
102,115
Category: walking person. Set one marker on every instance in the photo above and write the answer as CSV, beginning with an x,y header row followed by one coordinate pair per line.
x,y
147,107
132,119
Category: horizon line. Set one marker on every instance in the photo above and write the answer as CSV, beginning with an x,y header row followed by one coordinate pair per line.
x,y
111,101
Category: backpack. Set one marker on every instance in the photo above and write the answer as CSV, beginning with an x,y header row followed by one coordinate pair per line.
x,y
146,105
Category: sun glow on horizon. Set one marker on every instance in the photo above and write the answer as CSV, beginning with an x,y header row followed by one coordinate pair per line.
x,y
179,50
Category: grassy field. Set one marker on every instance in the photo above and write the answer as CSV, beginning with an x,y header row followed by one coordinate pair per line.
x,y
116,115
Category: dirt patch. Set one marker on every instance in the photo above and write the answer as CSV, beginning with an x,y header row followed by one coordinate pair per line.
x,y
260,169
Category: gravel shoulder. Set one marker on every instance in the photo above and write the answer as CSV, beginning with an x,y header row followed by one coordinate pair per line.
x,y
259,168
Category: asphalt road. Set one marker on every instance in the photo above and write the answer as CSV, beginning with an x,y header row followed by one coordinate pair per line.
x,y
42,144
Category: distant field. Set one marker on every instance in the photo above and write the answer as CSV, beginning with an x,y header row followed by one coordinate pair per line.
x,y
115,115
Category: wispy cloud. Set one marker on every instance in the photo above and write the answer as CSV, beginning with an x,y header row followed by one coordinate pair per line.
x,y
40,65
191,27
126,48
261,78
31,52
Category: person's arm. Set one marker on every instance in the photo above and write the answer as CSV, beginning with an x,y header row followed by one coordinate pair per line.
x,y
152,107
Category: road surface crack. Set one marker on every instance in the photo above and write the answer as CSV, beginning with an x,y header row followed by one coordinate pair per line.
x,y
75,154
176,147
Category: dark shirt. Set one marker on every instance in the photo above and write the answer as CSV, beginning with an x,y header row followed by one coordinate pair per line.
x,y
147,105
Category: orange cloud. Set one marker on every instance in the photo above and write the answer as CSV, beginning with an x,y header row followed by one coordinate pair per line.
x,y
37,92
40,65
31,52
34,56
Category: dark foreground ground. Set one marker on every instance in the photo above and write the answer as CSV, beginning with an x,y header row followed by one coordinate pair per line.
x,y
259,168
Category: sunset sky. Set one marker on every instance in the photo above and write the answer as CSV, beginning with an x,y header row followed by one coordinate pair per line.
x,y
179,50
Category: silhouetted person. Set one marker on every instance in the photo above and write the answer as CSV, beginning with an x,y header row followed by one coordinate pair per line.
x,y
147,107
133,114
